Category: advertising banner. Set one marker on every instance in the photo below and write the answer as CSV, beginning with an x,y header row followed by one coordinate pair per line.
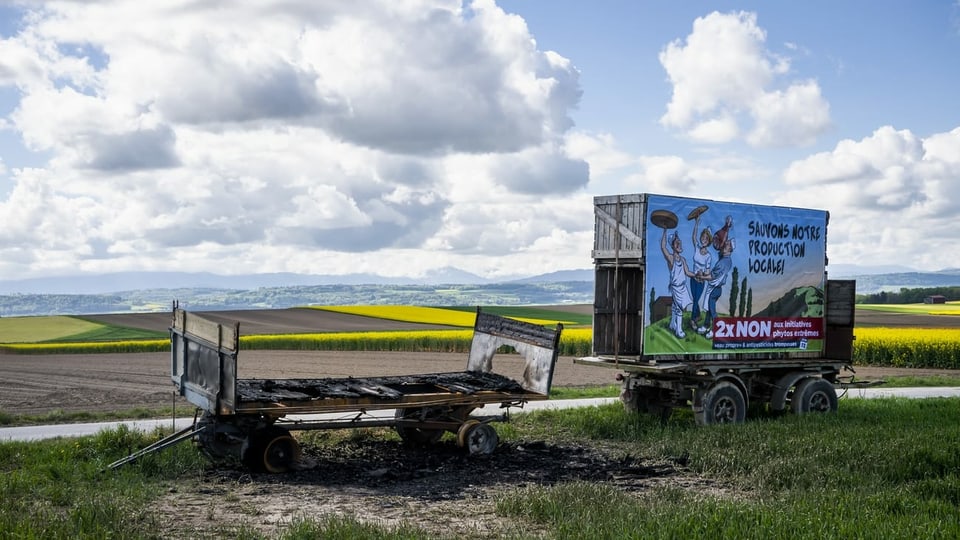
x,y
733,278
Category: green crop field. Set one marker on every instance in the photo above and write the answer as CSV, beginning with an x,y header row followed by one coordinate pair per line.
x,y
37,329
910,347
950,308
67,329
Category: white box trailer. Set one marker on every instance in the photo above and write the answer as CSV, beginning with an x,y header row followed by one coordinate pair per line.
x,y
718,305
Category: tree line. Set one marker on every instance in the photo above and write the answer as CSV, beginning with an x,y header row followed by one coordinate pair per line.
x,y
909,296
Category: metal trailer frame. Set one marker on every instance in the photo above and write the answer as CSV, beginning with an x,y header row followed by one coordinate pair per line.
x,y
249,419
719,387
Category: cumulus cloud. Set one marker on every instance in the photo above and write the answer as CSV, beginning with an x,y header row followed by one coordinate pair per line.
x,y
180,133
599,150
727,83
893,196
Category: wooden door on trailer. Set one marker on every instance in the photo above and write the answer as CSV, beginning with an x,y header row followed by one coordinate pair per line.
x,y
618,311
840,304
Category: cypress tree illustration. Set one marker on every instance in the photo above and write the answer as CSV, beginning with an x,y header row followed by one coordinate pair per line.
x,y
653,297
750,302
734,291
743,297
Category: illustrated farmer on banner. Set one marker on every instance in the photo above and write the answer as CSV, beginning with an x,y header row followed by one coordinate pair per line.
x,y
715,281
702,263
679,272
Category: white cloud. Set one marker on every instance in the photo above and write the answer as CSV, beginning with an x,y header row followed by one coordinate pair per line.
x,y
598,150
793,117
892,196
664,174
292,137
723,75
717,130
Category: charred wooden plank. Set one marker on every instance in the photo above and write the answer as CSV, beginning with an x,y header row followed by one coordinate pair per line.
x,y
389,388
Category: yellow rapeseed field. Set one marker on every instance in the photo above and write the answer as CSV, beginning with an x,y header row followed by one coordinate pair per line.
x,y
425,315
879,346
89,347
418,340
908,347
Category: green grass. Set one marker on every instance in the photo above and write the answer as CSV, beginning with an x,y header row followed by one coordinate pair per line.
x,y
64,329
343,528
921,381
884,468
584,392
57,488
114,333
60,416
877,469
36,329
950,308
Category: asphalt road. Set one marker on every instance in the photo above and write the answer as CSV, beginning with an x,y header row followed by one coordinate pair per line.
x,y
33,433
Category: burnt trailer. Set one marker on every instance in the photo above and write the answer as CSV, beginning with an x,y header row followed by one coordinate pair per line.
x,y
718,306
251,420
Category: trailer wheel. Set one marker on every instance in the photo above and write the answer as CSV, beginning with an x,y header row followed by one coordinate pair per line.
x,y
464,430
417,435
723,403
814,395
478,438
271,450
635,401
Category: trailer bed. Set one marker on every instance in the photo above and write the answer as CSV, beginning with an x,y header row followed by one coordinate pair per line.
x,y
250,419
204,369
304,396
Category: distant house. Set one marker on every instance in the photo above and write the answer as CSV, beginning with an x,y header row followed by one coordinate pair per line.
x,y
661,308
935,299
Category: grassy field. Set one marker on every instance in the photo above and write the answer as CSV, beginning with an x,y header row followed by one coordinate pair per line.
x,y
949,308
71,329
37,329
885,468
64,329
908,347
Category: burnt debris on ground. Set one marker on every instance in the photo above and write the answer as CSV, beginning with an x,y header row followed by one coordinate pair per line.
x,y
444,471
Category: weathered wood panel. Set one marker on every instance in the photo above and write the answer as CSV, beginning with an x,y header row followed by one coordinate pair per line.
x,y
841,296
618,227
618,311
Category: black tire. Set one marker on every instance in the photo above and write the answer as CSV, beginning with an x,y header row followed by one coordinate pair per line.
x,y
416,435
636,401
723,403
271,450
630,400
480,439
814,395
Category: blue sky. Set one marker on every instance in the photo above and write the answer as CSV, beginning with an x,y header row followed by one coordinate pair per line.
x,y
399,137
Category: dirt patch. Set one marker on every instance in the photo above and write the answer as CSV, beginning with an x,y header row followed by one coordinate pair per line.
x,y
80,382
440,489
37,384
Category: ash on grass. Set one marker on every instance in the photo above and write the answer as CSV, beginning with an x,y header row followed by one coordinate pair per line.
x,y
384,481
445,471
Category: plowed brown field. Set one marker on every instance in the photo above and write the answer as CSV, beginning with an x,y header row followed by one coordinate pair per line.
x,y
36,384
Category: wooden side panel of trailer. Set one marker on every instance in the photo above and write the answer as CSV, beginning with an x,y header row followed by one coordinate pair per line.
x,y
840,304
618,311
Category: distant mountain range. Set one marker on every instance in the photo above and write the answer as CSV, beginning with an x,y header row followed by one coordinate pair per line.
x,y
154,291
134,281
870,279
